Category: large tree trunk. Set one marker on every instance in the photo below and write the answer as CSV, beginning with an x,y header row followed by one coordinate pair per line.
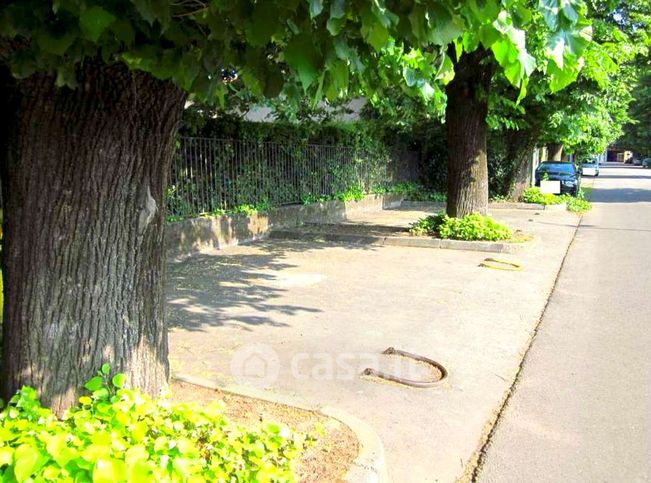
x,y
554,152
83,181
520,147
465,116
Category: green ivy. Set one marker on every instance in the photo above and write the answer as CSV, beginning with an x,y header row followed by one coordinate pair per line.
x,y
354,193
470,227
116,434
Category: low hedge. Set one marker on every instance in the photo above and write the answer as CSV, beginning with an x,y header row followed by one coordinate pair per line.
x,y
116,434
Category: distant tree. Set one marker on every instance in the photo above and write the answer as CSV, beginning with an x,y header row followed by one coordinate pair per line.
x,y
637,133
588,115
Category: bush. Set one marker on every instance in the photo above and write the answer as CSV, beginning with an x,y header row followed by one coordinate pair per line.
x,y
534,195
578,205
354,193
575,204
470,227
117,434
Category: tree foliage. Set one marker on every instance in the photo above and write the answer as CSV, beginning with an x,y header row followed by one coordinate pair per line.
x,y
332,49
637,133
587,116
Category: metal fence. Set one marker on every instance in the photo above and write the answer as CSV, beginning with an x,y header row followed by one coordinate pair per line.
x,y
209,175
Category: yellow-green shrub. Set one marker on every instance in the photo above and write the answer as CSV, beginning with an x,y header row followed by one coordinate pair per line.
x,y
534,195
117,434
470,227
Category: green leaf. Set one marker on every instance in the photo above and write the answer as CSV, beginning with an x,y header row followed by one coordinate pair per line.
x,y
101,393
119,380
335,25
26,461
556,48
302,56
264,23
340,75
378,37
59,449
94,21
410,76
319,91
316,7
561,78
139,470
549,9
154,10
108,471
338,9
6,455
66,76
274,82
373,31
106,368
94,384
418,21
488,35
123,31
569,11
54,44
446,26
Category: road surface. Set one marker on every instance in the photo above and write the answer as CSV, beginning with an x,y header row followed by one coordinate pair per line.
x,y
581,409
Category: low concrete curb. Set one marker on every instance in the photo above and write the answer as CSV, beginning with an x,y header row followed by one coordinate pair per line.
x,y
526,206
207,234
370,464
405,241
494,205
508,205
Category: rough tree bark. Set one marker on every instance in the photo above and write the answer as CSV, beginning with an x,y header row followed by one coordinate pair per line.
x,y
520,146
554,152
83,179
465,116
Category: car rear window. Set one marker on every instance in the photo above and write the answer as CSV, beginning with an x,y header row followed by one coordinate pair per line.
x,y
557,167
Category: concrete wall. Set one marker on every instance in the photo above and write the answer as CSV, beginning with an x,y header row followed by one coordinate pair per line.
x,y
183,238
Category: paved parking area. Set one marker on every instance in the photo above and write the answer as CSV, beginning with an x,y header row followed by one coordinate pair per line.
x,y
304,319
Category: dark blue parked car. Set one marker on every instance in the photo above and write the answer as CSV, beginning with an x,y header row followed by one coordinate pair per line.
x,y
566,173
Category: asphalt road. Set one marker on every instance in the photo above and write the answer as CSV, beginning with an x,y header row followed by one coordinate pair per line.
x,y
581,408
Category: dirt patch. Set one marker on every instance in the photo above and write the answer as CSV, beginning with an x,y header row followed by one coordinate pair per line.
x,y
327,460
360,229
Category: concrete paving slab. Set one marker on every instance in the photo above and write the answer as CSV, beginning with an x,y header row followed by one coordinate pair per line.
x,y
305,319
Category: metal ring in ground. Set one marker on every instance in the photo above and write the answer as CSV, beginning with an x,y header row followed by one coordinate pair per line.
x,y
408,382
500,265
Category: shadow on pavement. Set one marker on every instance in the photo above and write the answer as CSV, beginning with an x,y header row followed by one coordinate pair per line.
x,y
621,195
233,289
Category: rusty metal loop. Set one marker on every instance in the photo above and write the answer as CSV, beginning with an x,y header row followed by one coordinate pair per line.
x,y
498,264
408,382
